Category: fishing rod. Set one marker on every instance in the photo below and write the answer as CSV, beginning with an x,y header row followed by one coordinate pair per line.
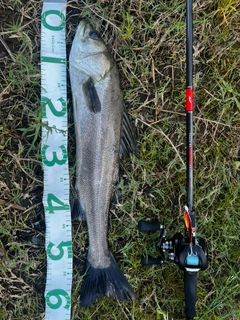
x,y
188,251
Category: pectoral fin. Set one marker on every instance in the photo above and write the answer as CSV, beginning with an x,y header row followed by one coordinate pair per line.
x,y
91,95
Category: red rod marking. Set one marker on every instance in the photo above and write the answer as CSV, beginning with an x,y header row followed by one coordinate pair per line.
x,y
189,99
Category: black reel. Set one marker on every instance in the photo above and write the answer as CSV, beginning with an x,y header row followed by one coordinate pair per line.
x,y
190,258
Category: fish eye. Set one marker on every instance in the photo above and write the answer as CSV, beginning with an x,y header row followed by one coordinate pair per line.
x,y
94,35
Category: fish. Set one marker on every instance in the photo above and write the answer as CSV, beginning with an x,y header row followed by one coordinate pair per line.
x,y
103,134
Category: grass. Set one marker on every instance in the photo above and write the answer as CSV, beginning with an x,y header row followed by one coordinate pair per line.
x,y
147,39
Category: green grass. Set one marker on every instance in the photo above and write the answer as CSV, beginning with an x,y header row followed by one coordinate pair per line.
x,y
147,39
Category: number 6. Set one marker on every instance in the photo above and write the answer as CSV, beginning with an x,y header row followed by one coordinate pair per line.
x,y
57,293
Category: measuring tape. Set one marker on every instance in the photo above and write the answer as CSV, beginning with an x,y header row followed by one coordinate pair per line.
x,y
55,161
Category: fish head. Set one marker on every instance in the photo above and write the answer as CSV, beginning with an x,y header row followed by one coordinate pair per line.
x,y
89,53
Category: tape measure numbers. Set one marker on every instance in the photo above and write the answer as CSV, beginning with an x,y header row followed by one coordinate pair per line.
x,y
55,161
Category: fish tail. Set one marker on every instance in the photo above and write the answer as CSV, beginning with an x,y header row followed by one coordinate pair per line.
x,y
109,282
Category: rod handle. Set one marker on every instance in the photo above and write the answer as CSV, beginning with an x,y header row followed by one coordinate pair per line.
x,y
190,291
150,261
146,226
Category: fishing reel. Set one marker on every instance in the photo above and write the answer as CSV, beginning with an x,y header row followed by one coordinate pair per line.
x,y
188,252
189,257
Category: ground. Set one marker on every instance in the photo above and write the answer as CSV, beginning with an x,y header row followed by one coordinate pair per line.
x,y
147,40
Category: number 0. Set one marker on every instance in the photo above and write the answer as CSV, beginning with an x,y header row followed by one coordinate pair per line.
x,y
56,13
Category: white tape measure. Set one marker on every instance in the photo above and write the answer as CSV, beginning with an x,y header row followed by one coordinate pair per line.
x,y
55,161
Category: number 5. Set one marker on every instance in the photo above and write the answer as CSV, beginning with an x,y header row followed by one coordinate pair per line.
x,y
60,247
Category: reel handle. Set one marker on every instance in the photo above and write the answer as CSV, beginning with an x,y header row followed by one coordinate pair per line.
x,y
150,261
146,226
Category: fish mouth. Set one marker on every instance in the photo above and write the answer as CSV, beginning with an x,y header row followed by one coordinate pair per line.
x,y
84,29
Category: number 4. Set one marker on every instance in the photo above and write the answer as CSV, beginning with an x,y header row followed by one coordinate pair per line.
x,y
60,205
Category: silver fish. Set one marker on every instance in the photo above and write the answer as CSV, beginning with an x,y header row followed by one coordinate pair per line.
x,y
100,123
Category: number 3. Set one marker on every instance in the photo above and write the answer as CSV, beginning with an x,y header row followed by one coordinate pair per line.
x,y
55,160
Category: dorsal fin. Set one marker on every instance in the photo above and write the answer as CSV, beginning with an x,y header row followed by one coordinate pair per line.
x,y
128,137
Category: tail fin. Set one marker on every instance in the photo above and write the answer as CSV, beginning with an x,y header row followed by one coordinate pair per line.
x,y
109,281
